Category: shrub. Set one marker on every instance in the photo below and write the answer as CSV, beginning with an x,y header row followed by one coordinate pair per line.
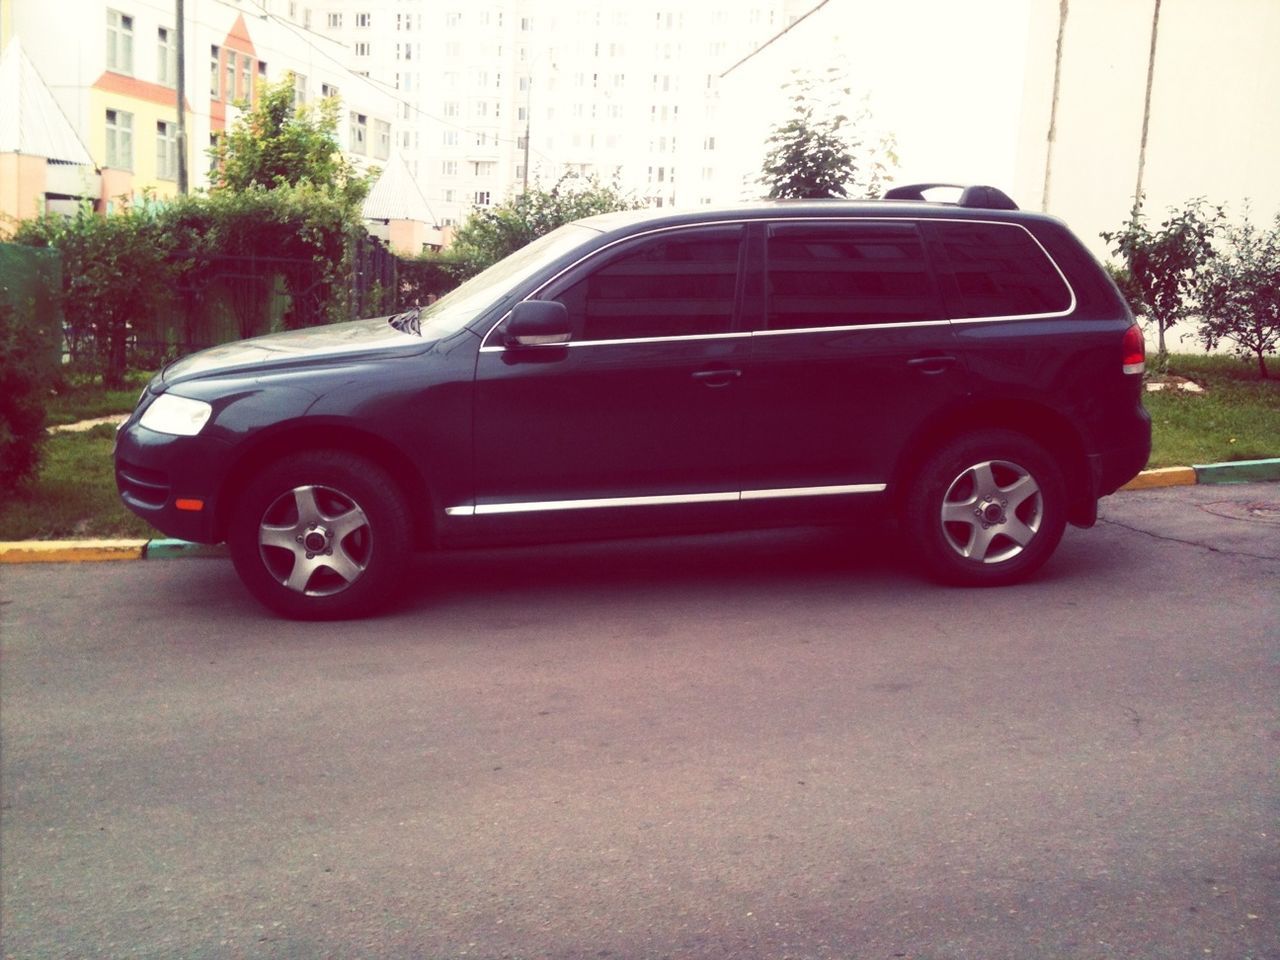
x,y
29,358
1239,291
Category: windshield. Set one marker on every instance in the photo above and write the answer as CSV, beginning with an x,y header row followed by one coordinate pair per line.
x,y
459,306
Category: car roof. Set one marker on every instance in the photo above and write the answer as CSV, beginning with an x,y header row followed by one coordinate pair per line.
x,y
627,221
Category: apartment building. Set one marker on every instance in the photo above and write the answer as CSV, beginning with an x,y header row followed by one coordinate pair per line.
x,y
497,94
111,68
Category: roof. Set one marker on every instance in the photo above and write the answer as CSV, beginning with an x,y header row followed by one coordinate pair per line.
x,y
397,196
800,209
31,122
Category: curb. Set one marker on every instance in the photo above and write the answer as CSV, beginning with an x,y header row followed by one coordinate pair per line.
x,y
1236,471
93,551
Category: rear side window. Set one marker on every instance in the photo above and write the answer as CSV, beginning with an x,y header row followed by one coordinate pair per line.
x,y
995,270
847,274
677,284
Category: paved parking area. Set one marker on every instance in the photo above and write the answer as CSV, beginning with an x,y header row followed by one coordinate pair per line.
x,y
765,745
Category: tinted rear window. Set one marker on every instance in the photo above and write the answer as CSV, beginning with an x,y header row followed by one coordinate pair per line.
x,y
995,270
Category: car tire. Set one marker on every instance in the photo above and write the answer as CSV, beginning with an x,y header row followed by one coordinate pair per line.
x,y
321,536
988,509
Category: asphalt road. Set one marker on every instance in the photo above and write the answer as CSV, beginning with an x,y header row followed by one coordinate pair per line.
x,y
768,745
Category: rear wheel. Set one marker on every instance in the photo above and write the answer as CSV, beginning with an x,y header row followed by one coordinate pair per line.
x,y
321,536
987,509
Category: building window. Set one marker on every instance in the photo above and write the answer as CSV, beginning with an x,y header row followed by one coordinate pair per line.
x,y
335,21
166,57
382,139
450,138
364,20
449,168
328,90
451,108
246,78
214,65
229,84
299,88
452,19
482,198
359,133
119,140
119,42
166,150
362,49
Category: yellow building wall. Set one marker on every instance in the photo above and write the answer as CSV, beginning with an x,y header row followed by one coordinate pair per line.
x,y
22,180
142,176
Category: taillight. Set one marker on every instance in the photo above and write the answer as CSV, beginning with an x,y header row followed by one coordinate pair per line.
x,y
1134,350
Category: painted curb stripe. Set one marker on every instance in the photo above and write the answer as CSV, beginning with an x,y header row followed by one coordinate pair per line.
x,y
1163,477
71,551
1238,471
169,549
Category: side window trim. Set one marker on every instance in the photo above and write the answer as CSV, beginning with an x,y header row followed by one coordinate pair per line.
x,y
576,270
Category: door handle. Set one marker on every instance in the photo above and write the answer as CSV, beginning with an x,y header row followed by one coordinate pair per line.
x,y
719,377
932,364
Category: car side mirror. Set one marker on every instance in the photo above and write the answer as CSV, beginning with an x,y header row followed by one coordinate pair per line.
x,y
535,323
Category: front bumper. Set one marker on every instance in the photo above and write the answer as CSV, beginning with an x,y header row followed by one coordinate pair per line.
x,y
155,471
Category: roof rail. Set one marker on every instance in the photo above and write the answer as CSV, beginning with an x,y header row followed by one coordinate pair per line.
x,y
977,196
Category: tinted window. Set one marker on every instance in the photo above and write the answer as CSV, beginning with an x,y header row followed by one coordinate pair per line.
x,y
997,270
678,284
832,275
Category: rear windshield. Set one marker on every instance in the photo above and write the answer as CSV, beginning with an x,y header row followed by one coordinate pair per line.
x,y
996,270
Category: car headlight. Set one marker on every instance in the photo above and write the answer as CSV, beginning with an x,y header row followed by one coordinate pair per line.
x,y
179,416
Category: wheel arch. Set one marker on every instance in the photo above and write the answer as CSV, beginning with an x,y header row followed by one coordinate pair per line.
x,y
1038,423
309,438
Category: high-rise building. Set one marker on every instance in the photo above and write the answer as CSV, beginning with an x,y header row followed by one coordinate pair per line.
x,y
498,94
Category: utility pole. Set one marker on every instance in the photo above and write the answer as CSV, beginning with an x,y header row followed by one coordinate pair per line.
x,y
182,97
528,117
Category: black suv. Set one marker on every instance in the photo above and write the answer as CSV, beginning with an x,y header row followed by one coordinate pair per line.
x,y
966,366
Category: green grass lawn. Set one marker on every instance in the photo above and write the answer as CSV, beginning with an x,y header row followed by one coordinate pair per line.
x,y
75,494
1237,418
82,398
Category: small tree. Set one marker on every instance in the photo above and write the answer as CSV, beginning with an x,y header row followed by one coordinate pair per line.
x,y
490,234
1163,263
1239,291
818,153
279,142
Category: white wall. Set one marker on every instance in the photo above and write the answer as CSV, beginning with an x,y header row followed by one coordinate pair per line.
x,y
1215,109
945,78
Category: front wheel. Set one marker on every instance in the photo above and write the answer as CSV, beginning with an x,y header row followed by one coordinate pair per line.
x,y
987,509
321,536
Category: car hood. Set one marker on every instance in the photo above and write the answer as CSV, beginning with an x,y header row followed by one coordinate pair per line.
x,y
350,341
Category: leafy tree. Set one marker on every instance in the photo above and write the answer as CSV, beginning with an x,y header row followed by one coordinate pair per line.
x,y
818,153
1239,291
278,142
490,234
1163,263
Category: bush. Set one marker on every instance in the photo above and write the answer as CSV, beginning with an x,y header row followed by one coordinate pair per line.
x,y
492,233
30,341
422,279
1239,291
